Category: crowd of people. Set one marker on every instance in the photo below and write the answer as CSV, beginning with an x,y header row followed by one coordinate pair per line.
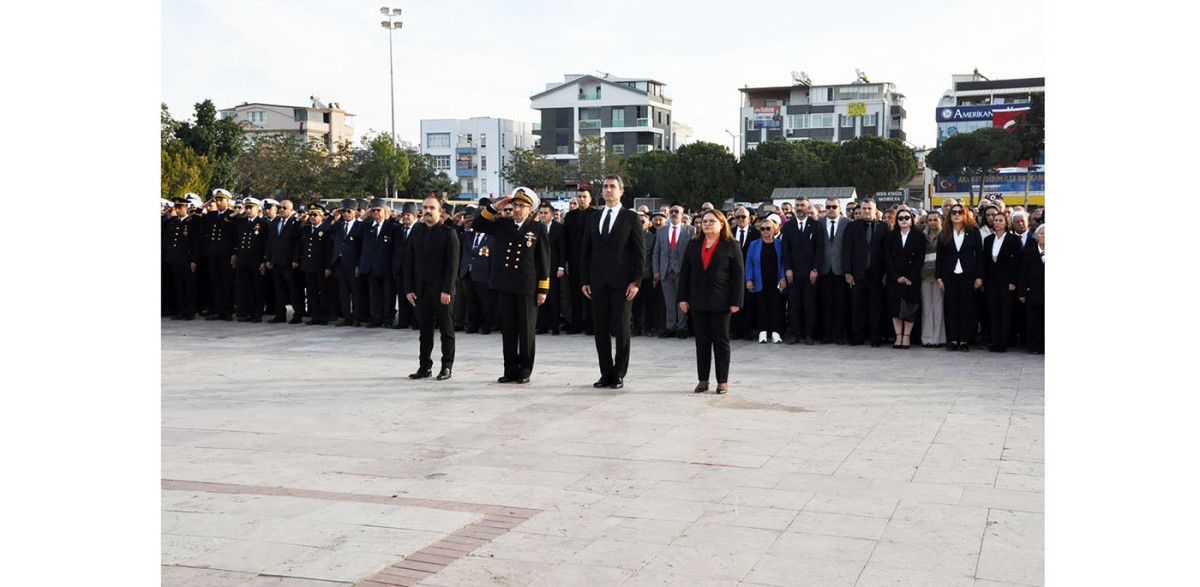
x,y
953,277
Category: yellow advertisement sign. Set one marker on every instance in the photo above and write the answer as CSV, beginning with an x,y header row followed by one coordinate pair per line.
x,y
856,109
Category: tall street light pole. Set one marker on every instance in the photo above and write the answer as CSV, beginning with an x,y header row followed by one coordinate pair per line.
x,y
735,141
391,24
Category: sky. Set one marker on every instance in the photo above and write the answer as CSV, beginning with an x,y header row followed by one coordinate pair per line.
x,y
486,58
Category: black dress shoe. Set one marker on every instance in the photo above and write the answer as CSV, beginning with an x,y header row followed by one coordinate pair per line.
x,y
964,347
295,320
601,382
256,319
617,383
682,334
808,340
700,387
506,379
342,322
277,320
357,323
874,344
373,325
420,374
243,319
554,332
444,374
666,334
522,379
485,331
720,390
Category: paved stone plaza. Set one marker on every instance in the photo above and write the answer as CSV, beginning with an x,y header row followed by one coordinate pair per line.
x,y
303,456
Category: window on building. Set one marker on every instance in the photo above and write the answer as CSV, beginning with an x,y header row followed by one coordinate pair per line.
x,y
847,122
257,117
618,117
482,139
300,114
871,120
483,186
821,120
818,95
797,121
437,139
482,162
441,162
618,149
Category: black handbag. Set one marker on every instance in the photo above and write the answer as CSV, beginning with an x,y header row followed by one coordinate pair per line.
x,y
909,310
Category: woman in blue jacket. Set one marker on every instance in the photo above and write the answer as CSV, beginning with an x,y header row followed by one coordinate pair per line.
x,y
765,280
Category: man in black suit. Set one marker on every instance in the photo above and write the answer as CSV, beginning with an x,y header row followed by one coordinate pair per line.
x,y
475,271
1031,291
250,260
576,222
408,222
863,262
347,247
550,312
520,276
375,264
611,263
802,248
430,276
282,243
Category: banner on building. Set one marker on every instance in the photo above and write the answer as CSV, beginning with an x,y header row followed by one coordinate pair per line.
x,y
1008,117
768,117
856,109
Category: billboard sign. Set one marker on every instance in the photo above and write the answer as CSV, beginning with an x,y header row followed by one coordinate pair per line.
x,y
768,117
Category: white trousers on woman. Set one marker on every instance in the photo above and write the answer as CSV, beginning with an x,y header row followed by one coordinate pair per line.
x,y
933,327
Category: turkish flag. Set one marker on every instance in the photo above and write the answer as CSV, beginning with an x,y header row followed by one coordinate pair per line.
x,y
1008,118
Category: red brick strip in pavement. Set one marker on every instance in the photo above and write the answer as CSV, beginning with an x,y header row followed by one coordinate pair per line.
x,y
416,567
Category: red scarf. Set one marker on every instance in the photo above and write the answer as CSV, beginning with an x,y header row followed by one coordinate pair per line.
x,y
706,252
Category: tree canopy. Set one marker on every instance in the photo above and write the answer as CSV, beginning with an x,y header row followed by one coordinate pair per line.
x,y
873,164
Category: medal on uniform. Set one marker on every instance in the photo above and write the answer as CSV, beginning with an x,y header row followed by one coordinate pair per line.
x,y
320,233
185,231
529,238
256,227
484,252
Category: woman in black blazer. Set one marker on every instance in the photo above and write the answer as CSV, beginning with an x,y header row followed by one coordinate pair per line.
x,y
710,291
1001,261
904,254
959,272
1031,291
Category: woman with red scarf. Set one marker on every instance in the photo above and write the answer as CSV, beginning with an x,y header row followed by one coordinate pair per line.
x,y
710,291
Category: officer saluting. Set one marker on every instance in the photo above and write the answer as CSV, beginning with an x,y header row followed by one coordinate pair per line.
x,y
520,275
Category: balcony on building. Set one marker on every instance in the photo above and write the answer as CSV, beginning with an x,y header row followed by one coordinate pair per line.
x,y
589,96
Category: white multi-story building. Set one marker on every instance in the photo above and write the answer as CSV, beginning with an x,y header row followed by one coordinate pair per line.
x,y
474,151
327,123
631,115
837,112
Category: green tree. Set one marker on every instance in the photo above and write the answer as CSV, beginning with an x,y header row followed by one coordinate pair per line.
x,y
595,162
874,164
168,125
820,175
777,163
704,172
443,184
183,171
283,165
975,153
218,140
1030,129
383,166
649,174
530,168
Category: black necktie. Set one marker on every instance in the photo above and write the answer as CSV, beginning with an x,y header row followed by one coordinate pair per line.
x,y
604,223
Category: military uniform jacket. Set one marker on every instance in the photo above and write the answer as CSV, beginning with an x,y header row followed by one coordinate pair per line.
x,y
251,247
520,256
218,233
313,252
432,258
378,246
283,242
180,240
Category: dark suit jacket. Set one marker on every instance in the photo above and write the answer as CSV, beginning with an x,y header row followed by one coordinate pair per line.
x,y
181,240
218,233
1000,273
802,248
906,260
971,254
557,235
377,250
432,259
752,234
614,260
576,223
855,248
251,243
400,254
281,246
476,260
313,252
347,245
721,285
1031,282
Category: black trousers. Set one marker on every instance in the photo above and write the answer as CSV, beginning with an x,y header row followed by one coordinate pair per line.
x,y
768,305
712,341
220,279
350,293
550,310
1000,310
581,310
431,313
362,310
184,289
802,307
646,306
382,299
479,308
959,303
404,310
314,286
252,286
287,290
833,294
611,316
518,319
866,310
1035,325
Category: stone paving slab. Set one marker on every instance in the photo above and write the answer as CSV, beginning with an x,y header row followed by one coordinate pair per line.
x,y
302,456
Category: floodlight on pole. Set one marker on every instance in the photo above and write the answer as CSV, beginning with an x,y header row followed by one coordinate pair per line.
x,y
391,24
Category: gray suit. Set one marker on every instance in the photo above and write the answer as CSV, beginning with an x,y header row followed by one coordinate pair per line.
x,y
832,292
833,250
667,264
